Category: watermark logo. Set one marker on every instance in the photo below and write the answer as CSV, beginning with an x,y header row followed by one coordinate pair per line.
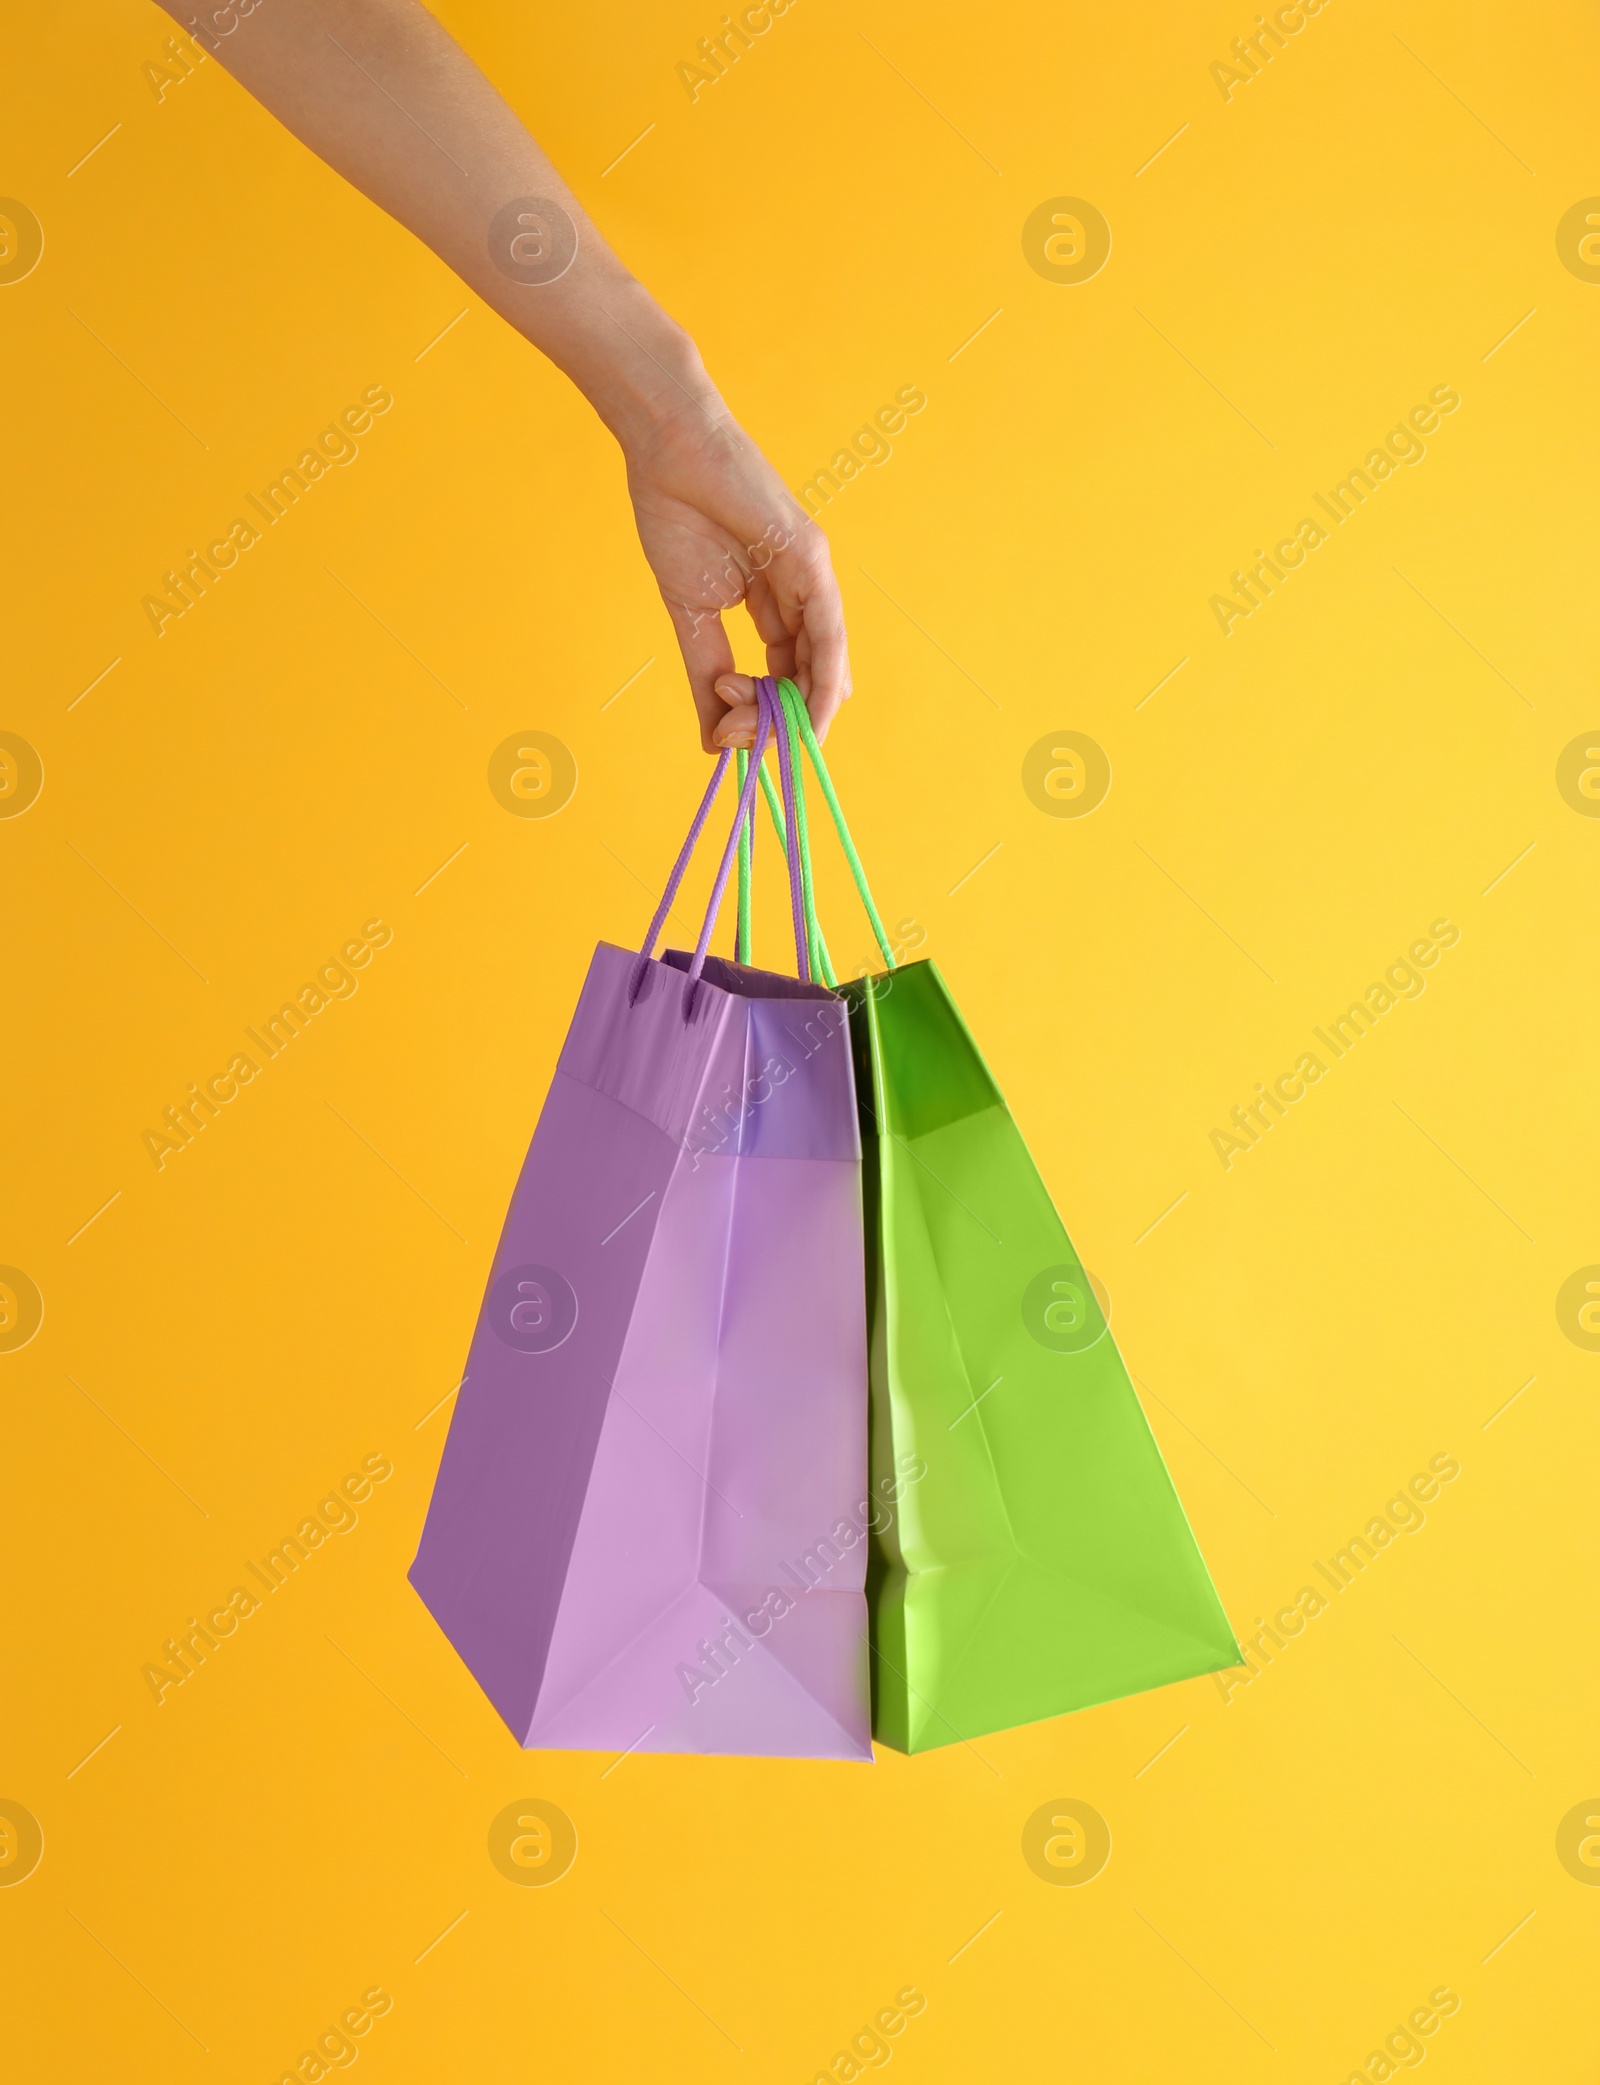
x,y
21,240
334,2049
192,579
21,775
909,935
1402,1515
532,775
1578,1842
868,2049
1403,979
1249,54
1066,240
183,1122
1065,1309
184,1653
1066,775
1255,584
871,443
532,1309
1578,1308
724,1122
1578,774
174,66
21,1309
1577,239
1066,1842
1403,2046
533,240
718,1653
215,27
533,1842
717,54
21,1842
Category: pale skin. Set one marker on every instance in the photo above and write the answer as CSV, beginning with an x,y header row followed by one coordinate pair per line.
x,y
378,90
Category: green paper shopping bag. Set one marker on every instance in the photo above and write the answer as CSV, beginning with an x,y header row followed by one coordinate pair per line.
x,y
1041,1560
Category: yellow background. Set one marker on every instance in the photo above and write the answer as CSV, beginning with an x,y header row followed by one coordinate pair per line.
x,y
1373,1815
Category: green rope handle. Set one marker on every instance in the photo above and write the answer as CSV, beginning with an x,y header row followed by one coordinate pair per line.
x,y
821,962
789,696
796,715
816,946
797,722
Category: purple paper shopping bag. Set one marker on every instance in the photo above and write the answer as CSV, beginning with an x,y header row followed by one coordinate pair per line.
x,y
648,1529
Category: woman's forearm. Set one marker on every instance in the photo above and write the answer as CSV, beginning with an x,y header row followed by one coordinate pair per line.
x,y
379,90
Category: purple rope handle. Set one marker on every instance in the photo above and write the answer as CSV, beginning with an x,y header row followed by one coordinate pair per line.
x,y
768,689
765,706
769,721
678,868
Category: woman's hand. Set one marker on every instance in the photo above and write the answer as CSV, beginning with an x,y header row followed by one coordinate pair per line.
x,y
719,527
361,81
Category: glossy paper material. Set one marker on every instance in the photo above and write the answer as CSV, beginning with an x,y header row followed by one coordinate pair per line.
x,y
648,1529
1042,1560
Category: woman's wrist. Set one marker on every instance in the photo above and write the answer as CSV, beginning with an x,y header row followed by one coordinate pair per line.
x,y
636,366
